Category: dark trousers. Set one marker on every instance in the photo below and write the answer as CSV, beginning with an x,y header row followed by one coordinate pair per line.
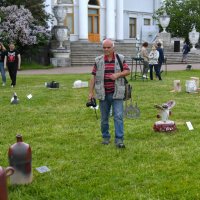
x,y
13,73
159,67
156,68
145,67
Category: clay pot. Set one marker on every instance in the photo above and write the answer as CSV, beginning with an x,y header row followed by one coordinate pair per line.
x,y
20,158
4,173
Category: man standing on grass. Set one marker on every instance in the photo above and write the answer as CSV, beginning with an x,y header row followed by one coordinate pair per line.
x,y
12,61
108,82
161,58
185,50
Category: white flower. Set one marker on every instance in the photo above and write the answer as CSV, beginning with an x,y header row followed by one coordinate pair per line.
x,y
18,25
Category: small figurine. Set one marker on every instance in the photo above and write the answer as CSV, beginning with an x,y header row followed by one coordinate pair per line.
x,y
4,173
14,99
188,67
165,125
191,86
20,158
177,86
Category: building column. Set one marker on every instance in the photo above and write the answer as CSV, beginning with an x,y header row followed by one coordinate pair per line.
x,y
110,19
120,20
83,20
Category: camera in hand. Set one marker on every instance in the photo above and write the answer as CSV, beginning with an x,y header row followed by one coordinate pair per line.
x,y
92,103
52,84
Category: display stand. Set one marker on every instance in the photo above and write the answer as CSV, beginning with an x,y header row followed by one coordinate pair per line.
x,y
138,63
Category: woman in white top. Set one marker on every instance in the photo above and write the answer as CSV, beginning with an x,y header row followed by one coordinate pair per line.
x,y
153,62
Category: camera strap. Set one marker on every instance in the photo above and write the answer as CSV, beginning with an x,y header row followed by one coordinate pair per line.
x,y
130,111
121,67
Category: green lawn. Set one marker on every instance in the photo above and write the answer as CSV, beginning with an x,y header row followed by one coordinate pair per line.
x,y
32,65
65,136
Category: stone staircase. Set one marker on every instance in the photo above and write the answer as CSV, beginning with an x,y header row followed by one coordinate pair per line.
x,y
83,53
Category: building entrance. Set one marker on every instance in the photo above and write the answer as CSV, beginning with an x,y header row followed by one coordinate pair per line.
x,y
93,25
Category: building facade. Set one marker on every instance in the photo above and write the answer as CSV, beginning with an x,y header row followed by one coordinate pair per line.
x,y
120,20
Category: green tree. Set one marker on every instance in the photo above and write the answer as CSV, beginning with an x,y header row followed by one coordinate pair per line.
x,y
184,14
36,7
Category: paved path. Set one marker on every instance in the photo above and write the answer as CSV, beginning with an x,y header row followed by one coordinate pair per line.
x,y
82,70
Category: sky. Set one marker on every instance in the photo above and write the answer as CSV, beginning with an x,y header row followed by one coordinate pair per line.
x,y
48,10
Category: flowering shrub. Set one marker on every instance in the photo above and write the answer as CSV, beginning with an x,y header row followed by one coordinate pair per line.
x,y
19,27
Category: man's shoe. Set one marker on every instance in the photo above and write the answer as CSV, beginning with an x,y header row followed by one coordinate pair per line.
x,y
119,144
105,141
3,84
145,76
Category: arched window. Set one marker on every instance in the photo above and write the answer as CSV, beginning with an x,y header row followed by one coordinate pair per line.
x,y
93,2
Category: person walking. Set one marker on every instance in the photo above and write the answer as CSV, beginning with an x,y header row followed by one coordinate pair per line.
x,y
12,61
145,56
108,82
185,51
2,55
161,58
153,62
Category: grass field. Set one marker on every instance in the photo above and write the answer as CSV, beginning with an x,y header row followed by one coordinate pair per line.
x,y
65,136
32,65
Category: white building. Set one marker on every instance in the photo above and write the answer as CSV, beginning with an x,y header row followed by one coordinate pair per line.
x,y
120,20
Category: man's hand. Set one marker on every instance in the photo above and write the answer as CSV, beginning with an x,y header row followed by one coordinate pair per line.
x,y
91,86
91,95
114,76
